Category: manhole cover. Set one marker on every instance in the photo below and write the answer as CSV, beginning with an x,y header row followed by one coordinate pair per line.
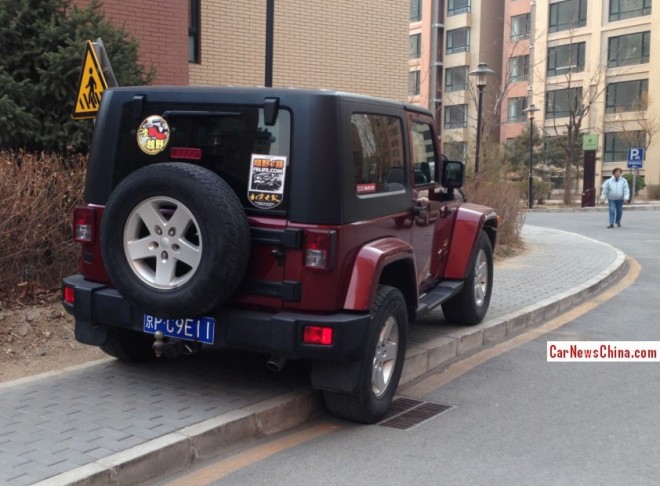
x,y
405,413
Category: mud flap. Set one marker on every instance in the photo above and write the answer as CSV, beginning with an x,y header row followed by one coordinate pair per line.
x,y
336,376
87,333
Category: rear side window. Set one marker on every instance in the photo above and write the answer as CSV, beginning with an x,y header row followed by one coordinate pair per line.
x,y
224,139
378,154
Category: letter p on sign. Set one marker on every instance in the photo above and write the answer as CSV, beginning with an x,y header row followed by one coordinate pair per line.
x,y
635,158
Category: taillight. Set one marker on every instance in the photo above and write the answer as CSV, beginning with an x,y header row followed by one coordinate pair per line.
x,y
69,295
83,225
319,249
317,335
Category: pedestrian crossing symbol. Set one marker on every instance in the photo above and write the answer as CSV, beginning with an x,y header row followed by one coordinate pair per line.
x,y
91,86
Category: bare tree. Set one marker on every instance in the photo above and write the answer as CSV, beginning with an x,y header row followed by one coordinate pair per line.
x,y
637,127
497,94
569,99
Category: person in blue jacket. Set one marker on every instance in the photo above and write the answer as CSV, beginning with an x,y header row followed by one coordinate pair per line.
x,y
615,190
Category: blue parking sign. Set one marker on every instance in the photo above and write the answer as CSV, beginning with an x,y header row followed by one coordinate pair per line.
x,y
635,158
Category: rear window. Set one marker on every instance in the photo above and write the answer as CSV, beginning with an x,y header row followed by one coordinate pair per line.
x,y
232,141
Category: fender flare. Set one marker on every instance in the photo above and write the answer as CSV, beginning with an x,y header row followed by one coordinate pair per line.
x,y
471,219
370,261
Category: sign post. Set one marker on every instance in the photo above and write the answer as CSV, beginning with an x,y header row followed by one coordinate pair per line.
x,y
589,147
635,162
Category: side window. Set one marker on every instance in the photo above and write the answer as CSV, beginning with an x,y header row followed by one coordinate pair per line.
x,y
421,138
378,154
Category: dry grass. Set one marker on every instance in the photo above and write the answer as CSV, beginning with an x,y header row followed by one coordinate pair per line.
x,y
505,198
37,195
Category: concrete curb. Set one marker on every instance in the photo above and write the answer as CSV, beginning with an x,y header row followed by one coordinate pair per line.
x,y
597,208
220,434
206,439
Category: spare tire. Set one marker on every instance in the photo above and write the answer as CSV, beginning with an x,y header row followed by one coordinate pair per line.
x,y
175,240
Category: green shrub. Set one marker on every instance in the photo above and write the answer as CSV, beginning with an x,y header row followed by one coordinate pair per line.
x,y
42,43
542,190
639,183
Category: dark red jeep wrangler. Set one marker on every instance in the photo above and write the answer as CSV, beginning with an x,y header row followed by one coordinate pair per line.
x,y
300,224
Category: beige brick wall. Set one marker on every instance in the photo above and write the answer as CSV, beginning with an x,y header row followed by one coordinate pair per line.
x,y
341,44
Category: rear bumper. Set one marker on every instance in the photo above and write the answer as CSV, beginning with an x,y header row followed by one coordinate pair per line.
x,y
97,307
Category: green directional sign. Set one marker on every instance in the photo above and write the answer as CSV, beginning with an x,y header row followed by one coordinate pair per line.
x,y
590,142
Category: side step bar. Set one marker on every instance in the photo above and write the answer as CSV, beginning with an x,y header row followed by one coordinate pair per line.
x,y
438,295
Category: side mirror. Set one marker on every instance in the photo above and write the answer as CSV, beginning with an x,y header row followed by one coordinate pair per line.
x,y
453,174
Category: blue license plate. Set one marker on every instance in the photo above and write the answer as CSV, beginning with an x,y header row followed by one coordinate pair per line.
x,y
200,329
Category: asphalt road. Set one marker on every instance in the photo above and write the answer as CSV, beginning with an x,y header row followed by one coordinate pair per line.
x,y
516,419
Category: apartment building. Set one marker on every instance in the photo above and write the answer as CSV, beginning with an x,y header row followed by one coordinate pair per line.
x,y
552,53
342,45
594,54
448,40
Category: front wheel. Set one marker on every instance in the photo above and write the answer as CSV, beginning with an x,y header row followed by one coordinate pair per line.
x,y
470,305
382,362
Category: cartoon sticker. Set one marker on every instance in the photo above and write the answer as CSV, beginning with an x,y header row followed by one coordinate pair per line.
x,y
153,135
266,186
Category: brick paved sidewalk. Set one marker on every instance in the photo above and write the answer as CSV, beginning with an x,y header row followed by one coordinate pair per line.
x,y
112,423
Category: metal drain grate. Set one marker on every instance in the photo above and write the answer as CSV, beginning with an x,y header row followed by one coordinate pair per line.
x,y
405,413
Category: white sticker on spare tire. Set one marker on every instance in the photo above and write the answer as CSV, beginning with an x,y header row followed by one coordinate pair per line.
x,y
266,184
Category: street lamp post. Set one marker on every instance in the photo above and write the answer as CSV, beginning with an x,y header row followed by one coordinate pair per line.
x,y
480,73
530,111
270,20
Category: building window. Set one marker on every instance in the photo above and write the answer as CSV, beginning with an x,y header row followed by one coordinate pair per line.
x,y
456,7
516,107
193,32
616,144
566,15
518,68
564,59
456,79
415,46
456,116
625,50
415,10
458,40
626,96
455,150
520,27
563,102
413,83
627,9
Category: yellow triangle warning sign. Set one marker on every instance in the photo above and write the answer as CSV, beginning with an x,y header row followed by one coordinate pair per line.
x,y
91,86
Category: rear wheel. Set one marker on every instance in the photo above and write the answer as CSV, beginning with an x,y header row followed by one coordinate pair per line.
x,y
469,307
382,362
130,346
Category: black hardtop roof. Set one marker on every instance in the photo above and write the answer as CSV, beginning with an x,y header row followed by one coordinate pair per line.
x,y
251,94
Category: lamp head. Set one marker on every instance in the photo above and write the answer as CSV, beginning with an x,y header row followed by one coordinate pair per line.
x,y
530,110
480,73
